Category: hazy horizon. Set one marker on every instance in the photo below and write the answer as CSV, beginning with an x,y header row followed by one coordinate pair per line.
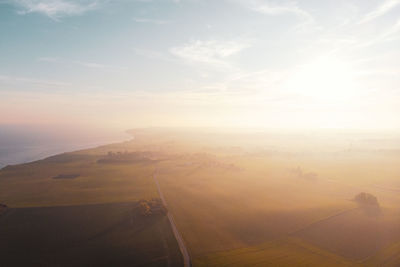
x,y
20,143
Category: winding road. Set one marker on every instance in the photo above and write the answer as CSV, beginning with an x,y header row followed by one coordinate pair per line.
x,y
185,253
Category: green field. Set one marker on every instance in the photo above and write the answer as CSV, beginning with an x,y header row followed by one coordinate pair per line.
x,y
87,235
236,200
389,256
33,184
71,210
286,252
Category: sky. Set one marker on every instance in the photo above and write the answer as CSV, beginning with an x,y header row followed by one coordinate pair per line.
x,y
201,63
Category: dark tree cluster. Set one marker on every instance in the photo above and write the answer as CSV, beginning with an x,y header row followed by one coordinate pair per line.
x,y
3,208
368,202
298,172
125,157
67,176
151,207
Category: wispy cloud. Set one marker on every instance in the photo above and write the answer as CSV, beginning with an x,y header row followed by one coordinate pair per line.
x,y
388,34
277,8
209,52
151,21
56,9
91,65
381,10
25,80
153,54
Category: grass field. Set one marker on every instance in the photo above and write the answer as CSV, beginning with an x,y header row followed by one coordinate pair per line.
x,y
237,200
353,235
285,252
388,256
81,221
238,211
88,235
32,184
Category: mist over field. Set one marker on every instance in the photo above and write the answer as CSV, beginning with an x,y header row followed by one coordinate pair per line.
x,y
229,196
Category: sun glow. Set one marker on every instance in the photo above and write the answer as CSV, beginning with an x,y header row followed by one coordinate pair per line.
x,y
326,79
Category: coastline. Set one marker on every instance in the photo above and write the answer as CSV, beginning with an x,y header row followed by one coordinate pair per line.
x,y
26,154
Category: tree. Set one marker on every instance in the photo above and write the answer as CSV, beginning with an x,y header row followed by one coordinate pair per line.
x,y
369,203
144,208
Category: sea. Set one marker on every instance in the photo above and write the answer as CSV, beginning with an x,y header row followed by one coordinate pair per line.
x,y
26,143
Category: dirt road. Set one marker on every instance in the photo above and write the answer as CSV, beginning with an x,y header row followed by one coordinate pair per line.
x,y
185,253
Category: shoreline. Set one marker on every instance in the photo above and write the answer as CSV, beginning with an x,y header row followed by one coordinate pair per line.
x,y
35,153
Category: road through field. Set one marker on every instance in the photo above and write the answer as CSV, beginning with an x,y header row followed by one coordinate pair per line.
x,y
185,253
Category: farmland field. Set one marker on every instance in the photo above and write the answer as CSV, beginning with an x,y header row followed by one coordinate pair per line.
x,y
87,235
237,200
285,252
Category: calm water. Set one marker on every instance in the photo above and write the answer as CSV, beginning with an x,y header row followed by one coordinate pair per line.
x,y
19,144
